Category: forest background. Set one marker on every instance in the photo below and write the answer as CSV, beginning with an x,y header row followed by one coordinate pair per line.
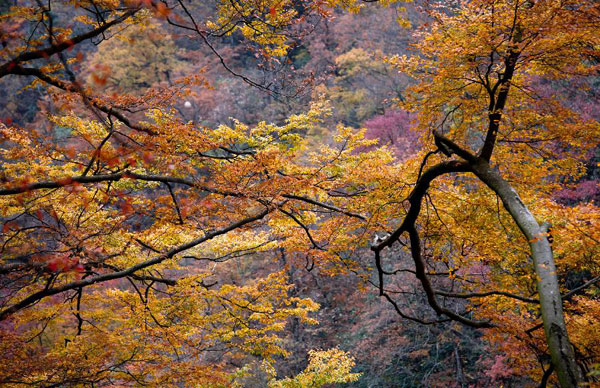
x,y
186,190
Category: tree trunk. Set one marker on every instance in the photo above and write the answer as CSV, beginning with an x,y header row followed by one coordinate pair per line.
x,y
561,350
460,378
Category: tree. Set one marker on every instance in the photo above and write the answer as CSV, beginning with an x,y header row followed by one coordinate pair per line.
x,y
138,58
112,235
393,128
474,76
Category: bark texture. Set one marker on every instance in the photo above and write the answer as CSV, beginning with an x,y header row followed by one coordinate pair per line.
x,y
561,350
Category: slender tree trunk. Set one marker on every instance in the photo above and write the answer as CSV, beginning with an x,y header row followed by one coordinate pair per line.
x,y
561,350
460,378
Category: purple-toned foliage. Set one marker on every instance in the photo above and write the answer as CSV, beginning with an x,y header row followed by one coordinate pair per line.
x,y
584,191
579,94
582,97
394,129
499,370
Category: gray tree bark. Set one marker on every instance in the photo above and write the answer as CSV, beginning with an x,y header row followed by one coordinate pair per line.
x,y
561,350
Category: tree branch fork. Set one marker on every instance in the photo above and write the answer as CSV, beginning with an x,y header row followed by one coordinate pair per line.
x,y
550,299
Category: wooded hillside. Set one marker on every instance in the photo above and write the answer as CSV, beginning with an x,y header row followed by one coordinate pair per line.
x,y
299,193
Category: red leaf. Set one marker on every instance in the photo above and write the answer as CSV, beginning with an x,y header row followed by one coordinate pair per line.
x,y
53,266
114,161
70,152
99,80
132,161
148,157
162,10
126,208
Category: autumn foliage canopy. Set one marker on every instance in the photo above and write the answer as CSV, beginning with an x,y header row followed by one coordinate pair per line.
x,y
120,212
